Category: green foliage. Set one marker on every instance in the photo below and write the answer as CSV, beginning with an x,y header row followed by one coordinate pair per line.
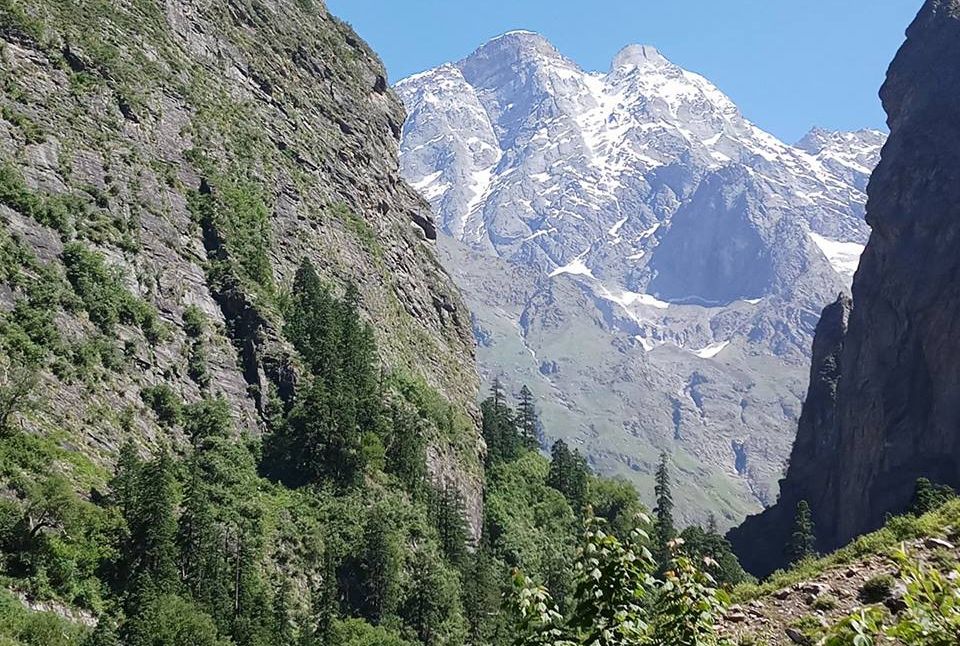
x,y
897,530
380,563
164,402
322,437
32,133
235,216
664,529
528,422
568,474
929,496
359,227
56,211
688,606
103,295
721,563
171,620
20,627
194,321
618,602
613,581
931,615
449,516
802,544
877,588
499,428
356,632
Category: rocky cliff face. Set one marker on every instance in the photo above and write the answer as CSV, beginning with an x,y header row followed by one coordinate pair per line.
x,y
650,263
882,409
194,153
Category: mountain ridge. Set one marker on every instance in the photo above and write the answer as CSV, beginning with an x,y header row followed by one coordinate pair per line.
x,y
690,238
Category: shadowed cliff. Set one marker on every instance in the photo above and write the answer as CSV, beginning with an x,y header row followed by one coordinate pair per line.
x,y
882,408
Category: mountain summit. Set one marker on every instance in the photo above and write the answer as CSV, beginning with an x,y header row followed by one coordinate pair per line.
x,y
686,252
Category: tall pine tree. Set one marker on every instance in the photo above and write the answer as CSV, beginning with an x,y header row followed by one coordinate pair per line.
x,y
803,541
527,420
664,529
568,474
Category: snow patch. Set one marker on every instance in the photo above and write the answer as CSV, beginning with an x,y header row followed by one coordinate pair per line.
x,y
711,350
576,267
615,229
844,257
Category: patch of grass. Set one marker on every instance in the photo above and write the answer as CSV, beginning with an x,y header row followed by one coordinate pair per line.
x,y
825,602
55,211
359,227
30,130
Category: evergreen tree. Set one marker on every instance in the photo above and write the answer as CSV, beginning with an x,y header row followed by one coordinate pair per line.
x,y
482,597
664,529
499,427
713,553
285,635
450,518
428,602
406,451
322,438
380,564
928,496
527,420
568,474
802,542
152,550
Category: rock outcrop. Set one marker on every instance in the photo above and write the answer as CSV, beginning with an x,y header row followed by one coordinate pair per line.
x,y
888,412
202,150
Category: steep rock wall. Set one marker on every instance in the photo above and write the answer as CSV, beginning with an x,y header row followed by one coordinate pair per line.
x,y
890,412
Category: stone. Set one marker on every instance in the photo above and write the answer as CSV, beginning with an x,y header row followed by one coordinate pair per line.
x,y
932,543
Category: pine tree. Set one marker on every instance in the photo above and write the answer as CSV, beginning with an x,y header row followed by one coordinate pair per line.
x,y
499,427
664,529
322,438
380,564
527,420
153,528
406,456
482,597
803,538
450,518
427,602
568,474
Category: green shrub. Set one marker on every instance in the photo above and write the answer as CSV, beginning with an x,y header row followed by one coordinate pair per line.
x,y
194,321
165,404
825,602
877,588
103,295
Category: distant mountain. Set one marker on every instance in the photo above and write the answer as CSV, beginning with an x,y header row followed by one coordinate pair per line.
x,y
651,262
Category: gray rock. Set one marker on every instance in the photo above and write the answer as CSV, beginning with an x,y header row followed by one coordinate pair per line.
x,y
888,412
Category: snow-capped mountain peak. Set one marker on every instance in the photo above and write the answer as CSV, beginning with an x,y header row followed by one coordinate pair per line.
x,y
633,56
686,250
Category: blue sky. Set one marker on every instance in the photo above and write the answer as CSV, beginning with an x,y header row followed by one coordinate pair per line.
x,y
789,65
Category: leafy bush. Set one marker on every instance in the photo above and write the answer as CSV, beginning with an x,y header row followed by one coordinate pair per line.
x,y
877,588
165,403
103,295
931,615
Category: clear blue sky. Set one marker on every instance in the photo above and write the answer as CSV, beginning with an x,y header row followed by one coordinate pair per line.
x,y
789,64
